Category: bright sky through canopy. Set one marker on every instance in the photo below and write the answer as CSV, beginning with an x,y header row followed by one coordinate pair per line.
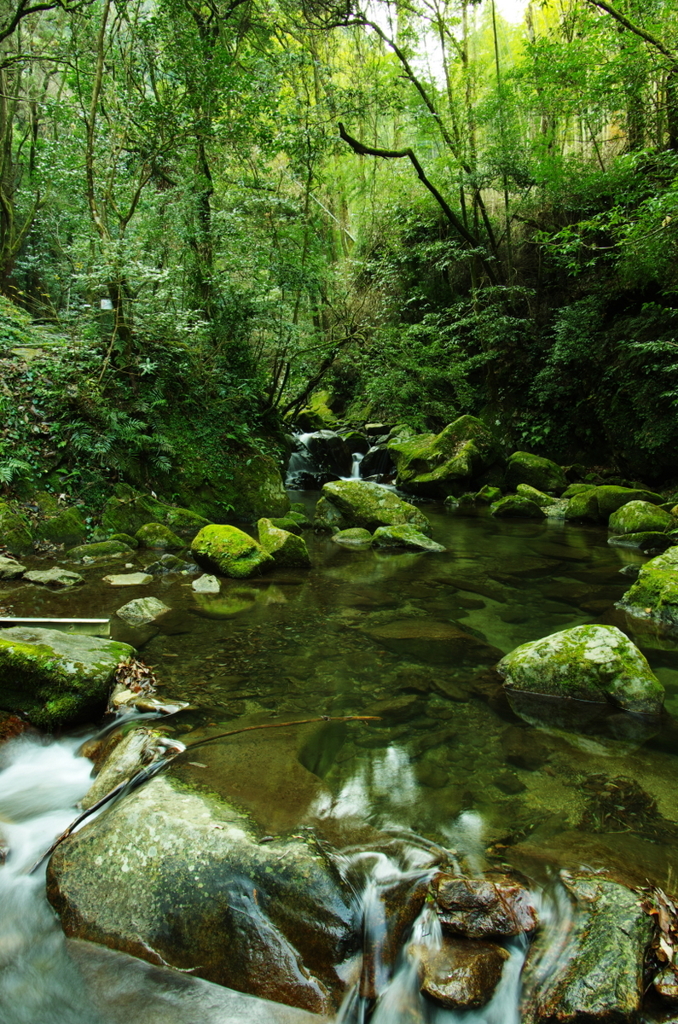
x,y
512,10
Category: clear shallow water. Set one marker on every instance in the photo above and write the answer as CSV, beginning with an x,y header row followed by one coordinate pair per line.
x,y
413,638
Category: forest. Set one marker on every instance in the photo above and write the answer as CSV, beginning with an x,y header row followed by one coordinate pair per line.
x,y
212,211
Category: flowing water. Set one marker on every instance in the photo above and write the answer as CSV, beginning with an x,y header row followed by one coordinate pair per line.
x,y
410,638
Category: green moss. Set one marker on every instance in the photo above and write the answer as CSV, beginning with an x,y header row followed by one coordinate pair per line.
x,y
157,535
404,536
597,504
640,517
654,594
286,548
125,538
356,537
101,549
286,523
514,506
66,527
229,551
437,465
487,495
542,474
15,534
538,497
361,503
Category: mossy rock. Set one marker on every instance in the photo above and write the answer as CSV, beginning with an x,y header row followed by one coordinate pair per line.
x,y
47,502
299,507
285,523
66,527
356,537
15,533
573,489
328,517
436,465
513,506
589,663
101,549
128,513
125,538
361,503
538,497
597,504
317,415
54,678
640,517
300,518
542,474
259,489
404,536
487,495
654,595
287,548
183,521
230,552
157,535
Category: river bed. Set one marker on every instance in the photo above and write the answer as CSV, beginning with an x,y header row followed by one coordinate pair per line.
x,y
414,638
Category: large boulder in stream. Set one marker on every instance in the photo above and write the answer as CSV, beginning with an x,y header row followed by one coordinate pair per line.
x,y
588,663
461,458
15,533
542,474
592,969
654,595
596,504
359,503
230,552
640,517
54,678
286,548
179,878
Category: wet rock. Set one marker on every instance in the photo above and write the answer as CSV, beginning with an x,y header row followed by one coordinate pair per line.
x,y
515,507
159,995
101,549
230,552
354,538
56,678
404,536
523,748
596,504
598,973
287,549
439,643
54,577
480,908
654,542
10,569
509,783
157,535
539,473
138,748
126,538
589,663
367,505
137,621
487,495
11,726
640,517
666,986
398,708
654,595
186,880
129,579
461,975
330,453
437,465
206,584
170,563
431,775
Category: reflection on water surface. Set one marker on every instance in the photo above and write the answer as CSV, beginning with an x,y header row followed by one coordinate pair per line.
x,y
414,638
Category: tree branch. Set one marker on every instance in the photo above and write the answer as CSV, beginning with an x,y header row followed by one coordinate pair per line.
x,y
397,154
602,5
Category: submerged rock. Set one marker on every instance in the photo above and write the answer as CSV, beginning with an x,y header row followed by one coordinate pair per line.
x,y
427,640
436,465
54,577
654,595
363,504
589,663
142,611
230,552
287,549
542,474
56,678
187,881
598,972
647,541
405,536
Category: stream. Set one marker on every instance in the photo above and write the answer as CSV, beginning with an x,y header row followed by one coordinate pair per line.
x,y
413,639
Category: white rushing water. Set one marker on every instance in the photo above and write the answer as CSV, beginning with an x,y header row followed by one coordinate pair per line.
x,y
39,787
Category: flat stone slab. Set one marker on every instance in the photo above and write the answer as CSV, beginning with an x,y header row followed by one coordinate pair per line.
x,y
130,579
54,577
142,610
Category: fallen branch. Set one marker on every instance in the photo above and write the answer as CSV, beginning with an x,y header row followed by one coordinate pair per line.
x,y
152,769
